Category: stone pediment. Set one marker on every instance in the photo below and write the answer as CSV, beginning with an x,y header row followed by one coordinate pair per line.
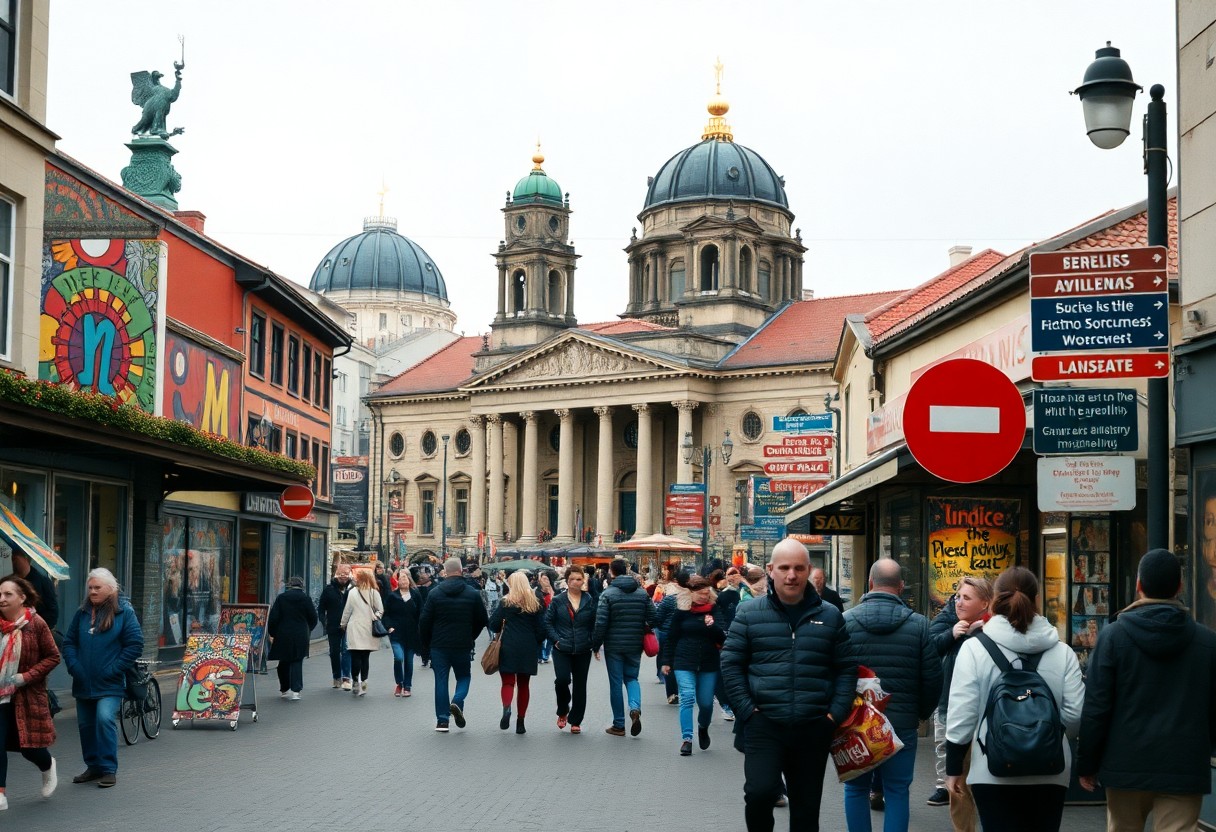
x,y
711,223
573,361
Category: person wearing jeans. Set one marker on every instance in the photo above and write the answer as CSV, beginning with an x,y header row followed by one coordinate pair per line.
x,y
623,615
329,610
691,650
623,672
443,662
451,620
896,780
401,610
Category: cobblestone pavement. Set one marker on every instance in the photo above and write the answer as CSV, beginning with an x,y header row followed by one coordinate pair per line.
x,y
333,761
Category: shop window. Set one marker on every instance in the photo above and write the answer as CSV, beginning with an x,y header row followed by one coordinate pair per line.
x,y
197,562
463,442
327,374
257,345
8,218
293,364
318,387
306,371
429,443
900,538
276,354
753,426
8,47
427,496
290,448
24,492
461,526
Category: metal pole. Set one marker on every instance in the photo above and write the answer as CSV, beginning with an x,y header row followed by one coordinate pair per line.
x,y
1159,488
443,519
707,457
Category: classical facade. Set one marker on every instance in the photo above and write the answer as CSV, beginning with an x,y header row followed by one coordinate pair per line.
x,y
548,428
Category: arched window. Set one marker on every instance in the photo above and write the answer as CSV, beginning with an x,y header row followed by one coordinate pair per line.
x,y
518,282
557,301
709,268
745,270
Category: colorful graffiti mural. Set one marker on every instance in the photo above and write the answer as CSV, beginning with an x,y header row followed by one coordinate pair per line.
x,y
213,673
101,317
202,387
250,619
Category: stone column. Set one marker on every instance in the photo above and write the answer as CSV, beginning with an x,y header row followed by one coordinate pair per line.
x,y
685,409
503,289
730,268
692,271
498,496
604,490
796,292
652,287
570,290
645,496
565,478
528,489
477,490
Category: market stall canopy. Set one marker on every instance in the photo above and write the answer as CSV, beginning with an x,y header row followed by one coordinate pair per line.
x,y
512,565
661,543
19,536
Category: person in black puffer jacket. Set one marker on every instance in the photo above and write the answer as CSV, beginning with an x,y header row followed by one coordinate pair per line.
x,y
691,652
570,623
402,608
893,641
329,610
623,616
451,620
790,677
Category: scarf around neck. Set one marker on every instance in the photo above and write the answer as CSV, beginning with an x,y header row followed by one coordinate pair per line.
x,y
702,609
10,650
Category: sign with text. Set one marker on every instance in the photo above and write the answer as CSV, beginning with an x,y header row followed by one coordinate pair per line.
x,y
969,537
801,424
1069,420
829,522
798,487
766,502
1087,483
1066,366
760,533
807,466
814,444
1100,322
350,490
686,488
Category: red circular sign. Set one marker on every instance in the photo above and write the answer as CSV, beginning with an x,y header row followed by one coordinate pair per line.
x,y
964,420
296,502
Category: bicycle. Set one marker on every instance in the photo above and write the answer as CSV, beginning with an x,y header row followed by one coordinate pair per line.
x,y
141,711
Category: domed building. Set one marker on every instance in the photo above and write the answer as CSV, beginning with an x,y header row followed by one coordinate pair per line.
x,y
387,282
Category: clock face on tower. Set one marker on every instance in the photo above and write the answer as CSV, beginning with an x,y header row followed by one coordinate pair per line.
x,y
521,224
554,224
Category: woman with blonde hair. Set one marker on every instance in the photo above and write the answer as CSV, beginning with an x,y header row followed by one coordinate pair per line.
x,y
402,608
518,620
363,606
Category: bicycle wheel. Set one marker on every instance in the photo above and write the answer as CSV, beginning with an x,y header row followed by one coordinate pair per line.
x,y
151,714
128,718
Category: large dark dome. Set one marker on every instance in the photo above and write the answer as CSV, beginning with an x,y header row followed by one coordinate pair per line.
x,y
716,169
382,259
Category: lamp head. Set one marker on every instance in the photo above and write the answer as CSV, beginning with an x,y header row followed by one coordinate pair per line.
x,y
728,447
1107,94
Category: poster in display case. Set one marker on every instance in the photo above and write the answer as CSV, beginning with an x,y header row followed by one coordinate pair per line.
x,y
1089,595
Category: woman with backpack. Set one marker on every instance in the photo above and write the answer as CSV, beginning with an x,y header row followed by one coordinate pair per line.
x,y
1018,782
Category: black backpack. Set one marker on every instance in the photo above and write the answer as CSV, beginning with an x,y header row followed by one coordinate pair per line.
x,y
1025,732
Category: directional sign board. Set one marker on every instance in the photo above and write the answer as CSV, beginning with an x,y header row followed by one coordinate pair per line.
x,y
964,420
807,466
686,488
761,532
1070,420
1111,300
803,423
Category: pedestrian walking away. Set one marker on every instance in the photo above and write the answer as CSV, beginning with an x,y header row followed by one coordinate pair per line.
x,y
292,619
100,646
27,656
519,621
1025,803
623,616
962,618
819,580
1149,721
363,606
570,624
790,677
691,652
330,608
402,608
894,642
451,620
423,584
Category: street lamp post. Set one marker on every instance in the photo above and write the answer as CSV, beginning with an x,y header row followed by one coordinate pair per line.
x,y
706,452
1107,94
443,512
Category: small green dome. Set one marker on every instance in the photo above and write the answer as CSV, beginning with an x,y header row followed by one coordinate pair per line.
x,y
537,187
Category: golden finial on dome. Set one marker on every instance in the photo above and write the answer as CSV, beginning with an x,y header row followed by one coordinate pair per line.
x,y
717,128
537,158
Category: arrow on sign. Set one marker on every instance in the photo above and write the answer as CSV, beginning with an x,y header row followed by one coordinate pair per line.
x,y
1158,335
1156,257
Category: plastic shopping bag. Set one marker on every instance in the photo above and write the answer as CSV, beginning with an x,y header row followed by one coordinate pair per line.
x,y
865,740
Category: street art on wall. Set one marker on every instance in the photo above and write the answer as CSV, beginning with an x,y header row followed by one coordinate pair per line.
x,y
101,317
202,387
249,619
213,673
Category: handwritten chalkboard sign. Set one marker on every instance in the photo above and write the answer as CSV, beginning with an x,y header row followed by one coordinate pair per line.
x,y
213,674
250,619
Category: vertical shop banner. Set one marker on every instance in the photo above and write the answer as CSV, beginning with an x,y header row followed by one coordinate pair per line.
x,y
213,673
969,536
250,620
350,491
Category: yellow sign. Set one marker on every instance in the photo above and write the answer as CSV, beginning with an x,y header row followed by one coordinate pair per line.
x,y
969,537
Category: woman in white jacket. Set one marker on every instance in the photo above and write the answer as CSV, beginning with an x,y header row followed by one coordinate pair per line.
x,y
363,605
1019,804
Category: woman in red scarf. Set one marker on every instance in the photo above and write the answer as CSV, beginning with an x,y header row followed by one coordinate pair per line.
x,y
27,656
691,648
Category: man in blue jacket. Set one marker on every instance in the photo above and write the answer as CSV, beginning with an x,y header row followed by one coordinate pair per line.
x,y
623,614
790,677
1149,721
893,641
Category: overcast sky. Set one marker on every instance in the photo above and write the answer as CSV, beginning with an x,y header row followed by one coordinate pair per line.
x,y
901,128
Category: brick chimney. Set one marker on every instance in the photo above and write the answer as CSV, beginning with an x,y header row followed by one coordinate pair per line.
x,y
195,219
957,254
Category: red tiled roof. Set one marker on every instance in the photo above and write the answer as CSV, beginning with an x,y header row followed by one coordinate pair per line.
x,y
439,372
805,331
1133,231
913,301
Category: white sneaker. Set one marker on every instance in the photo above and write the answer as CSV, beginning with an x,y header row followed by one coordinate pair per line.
x,y
282,694
346,684
50,779
3,802
295,697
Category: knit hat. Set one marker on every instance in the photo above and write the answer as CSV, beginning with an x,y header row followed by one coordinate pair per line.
x,y
1160,574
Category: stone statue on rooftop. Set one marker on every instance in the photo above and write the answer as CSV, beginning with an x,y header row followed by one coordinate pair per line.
x,y
148,93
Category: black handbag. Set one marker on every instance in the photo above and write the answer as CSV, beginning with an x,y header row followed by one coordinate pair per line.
x,y
378,628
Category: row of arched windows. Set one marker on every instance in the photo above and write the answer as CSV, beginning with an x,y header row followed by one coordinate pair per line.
x,y
554,297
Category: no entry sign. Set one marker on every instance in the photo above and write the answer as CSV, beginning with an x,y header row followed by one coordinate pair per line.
x,y
964,420
296,502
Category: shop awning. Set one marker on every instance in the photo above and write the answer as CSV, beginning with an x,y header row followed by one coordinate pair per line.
x,y
19,536
878,470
